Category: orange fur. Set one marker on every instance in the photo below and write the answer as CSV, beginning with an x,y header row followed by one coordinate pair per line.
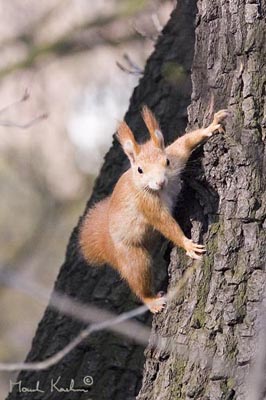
x,y
124,133
151,123
116,230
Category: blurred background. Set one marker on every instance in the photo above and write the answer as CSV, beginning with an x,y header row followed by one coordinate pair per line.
x,y
67,70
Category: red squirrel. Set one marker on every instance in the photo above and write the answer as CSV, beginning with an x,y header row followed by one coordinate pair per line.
x,y
116,229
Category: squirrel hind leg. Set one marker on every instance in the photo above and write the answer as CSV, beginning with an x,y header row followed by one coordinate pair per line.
x,y
157,303
135,269
137,273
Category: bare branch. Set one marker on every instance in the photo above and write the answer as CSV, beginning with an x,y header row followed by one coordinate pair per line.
x,y
27,125
157,25
39,365
132,64
127,70
101,319
119,324
72,41
156,22
144,34
25,97
135,69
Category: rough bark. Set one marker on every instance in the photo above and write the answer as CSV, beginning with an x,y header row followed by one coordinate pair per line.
x,y
208,335
115,363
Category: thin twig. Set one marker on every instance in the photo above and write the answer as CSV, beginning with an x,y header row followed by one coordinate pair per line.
x,y
50,361
70,307
132,64
127,70
25,97
62,303
101,319
26,125
134,68
145,35
156,22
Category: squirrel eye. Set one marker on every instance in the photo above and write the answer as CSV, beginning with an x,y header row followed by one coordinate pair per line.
x,y
167,162
140,170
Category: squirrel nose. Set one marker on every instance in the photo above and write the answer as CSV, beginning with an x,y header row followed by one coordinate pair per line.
x,y
161,183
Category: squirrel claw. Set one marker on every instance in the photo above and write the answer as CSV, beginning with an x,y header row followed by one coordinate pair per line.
x,y
194,250
221,129
193,255
156,304
220,116
216,124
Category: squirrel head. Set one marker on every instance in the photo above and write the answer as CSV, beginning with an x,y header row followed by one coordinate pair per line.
x,y
149,163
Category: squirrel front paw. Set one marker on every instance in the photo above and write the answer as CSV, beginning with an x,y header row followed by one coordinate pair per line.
x,y
220,116
194,250
216,124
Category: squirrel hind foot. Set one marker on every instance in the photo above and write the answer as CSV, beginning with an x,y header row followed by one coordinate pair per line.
x,y
157,303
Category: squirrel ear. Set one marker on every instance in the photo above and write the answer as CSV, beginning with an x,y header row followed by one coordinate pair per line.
x,y
159,138
126,138
153,127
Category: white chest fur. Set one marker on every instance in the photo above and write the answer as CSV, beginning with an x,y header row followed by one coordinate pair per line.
x,y
130,226
170,193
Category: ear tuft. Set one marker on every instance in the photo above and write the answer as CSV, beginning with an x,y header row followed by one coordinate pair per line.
x,y
160,137
128,146
126,138
153,127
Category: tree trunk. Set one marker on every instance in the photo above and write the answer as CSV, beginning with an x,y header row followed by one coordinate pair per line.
x,y
207,336
115,363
